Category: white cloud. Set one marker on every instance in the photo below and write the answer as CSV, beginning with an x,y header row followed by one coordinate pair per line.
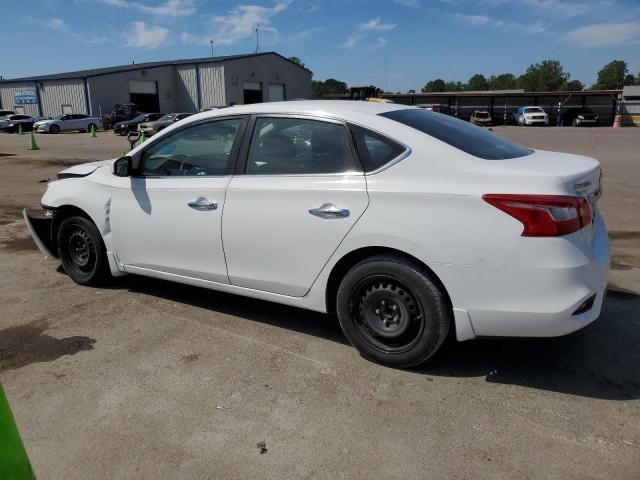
x,y
408,3
171,8
57,24
380,42
374,24
603,34
490,22
552,8
239,23
352,41
144,36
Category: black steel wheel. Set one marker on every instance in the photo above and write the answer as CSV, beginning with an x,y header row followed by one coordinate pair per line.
x,y
392,311
82,251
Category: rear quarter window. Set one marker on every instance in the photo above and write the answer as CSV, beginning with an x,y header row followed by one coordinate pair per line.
x,y
375,150
462,135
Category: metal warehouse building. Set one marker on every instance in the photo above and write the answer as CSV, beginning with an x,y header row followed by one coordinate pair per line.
x,y
170,86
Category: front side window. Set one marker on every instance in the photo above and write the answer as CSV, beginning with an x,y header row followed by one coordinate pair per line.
x,y
462,135
198,150
290,146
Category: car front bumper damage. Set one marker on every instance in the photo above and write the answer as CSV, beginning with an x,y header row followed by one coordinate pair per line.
x,y
39,226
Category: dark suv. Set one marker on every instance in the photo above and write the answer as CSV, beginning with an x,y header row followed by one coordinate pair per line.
x,y
122,128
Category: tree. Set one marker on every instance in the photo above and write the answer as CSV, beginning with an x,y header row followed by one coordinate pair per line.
x,y
574,86
478,82
436,85
612,76
330,85
412,91
297,61
504,81
544,77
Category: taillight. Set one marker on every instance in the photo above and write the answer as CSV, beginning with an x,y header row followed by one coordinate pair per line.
x,y
544,215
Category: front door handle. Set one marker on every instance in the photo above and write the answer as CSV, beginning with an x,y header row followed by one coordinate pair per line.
x,y
329,210
202,203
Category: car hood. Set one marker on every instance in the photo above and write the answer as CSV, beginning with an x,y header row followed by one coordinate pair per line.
x,y
83,169
156,123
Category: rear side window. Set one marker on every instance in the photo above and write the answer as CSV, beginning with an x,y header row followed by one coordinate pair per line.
x,y
294,146
462,135
375,150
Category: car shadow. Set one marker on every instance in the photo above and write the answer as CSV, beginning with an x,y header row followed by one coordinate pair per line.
x,y
601,361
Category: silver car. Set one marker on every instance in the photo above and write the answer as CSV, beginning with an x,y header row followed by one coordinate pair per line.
x,y
68,122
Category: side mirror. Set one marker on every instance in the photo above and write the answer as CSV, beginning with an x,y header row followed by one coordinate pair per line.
x,y
122,167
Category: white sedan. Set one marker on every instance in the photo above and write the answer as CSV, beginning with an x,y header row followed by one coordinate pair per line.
x,y
406,223
69,122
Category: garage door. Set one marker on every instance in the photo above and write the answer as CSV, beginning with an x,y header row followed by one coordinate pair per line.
x,y
276,92
142,86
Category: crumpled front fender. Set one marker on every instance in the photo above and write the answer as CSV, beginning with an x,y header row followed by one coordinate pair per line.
x,y
40,229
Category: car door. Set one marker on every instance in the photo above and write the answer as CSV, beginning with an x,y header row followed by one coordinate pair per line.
x,y
169,220
298,192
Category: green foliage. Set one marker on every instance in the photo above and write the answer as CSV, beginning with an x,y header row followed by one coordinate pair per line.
x,y
612,76
297,60
436,85
504,81
574,86
545,76
330,85
478,82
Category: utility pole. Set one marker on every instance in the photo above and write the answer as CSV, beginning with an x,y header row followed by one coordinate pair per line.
x,y
257,39
211,43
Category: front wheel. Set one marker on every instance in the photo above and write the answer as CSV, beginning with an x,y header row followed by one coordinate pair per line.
x,y
82,251
54,129
392,311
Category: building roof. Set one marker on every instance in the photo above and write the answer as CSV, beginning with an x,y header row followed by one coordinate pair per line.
x,y
142,66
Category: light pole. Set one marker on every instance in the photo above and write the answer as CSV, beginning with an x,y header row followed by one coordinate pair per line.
x,y
211,43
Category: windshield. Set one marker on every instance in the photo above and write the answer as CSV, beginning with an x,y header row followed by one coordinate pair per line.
x,y
482,114
533,110
168,116
137,118
459,134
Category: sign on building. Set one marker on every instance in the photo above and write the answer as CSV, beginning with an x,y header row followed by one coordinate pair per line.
x,y
25,97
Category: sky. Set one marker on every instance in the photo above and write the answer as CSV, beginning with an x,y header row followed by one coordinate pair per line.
x,y
396,45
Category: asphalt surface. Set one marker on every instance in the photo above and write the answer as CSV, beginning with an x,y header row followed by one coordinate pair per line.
x,y
155,380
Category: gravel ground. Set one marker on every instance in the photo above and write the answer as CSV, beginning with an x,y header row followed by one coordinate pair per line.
x,y
154,380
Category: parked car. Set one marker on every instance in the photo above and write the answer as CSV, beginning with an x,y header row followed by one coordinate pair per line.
x,y
580,117
127,126
405,234
68,122
11,123
151,128
4,113
481,118
531,115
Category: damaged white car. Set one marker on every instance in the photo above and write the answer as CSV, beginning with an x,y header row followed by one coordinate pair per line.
x,y
406,223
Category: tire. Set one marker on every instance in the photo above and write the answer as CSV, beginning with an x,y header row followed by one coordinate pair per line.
x,y
82,251
54,129
392,311
91,125
574,122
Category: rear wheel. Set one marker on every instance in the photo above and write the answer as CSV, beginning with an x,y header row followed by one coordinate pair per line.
x,y
82,251
54,129
392,311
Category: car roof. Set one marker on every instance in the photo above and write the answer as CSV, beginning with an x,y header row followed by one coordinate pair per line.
x,y
333,108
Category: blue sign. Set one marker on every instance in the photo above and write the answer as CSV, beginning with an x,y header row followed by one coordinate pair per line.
x,y
26,97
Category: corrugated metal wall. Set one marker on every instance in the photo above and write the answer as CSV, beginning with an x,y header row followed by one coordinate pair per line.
x,y
186,88
267,69
55,93
8,92
212,85
107,90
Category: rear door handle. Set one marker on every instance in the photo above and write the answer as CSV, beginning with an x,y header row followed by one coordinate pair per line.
x,y
202,203
329,210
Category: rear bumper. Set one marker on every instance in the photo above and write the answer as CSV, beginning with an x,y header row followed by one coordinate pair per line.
x,y
539,287
40,229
